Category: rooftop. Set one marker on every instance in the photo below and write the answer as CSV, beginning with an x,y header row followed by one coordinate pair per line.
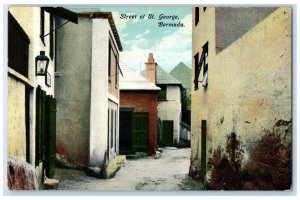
x,y
131,80
163,78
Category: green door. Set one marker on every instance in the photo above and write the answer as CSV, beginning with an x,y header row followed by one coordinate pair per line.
x,y
45,131
167,134
50,135
203,149
139,131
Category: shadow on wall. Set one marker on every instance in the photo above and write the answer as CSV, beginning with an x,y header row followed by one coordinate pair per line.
x,y
269,166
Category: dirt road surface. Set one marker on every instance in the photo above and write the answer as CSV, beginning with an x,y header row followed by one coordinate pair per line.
x,y
167,173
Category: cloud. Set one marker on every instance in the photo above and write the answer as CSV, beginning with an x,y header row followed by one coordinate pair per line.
x,y
121,24
146,32
168,51
139,36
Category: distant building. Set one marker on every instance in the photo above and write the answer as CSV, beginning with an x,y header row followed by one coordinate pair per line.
x,y
184,74
31,101
169,101
87,89
138,113
241,88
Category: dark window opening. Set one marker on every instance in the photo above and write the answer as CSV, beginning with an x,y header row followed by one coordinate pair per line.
x,y
162,94
198,65
116,69
18,47
196,58
108,130
196,16
112,129
27,124
51,46
115,131
204,9
42,25
109,60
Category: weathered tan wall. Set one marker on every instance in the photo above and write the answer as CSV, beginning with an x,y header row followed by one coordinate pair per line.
x,y
249,83
16,119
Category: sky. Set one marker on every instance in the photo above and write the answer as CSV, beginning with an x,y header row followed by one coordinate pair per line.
x,y
139,37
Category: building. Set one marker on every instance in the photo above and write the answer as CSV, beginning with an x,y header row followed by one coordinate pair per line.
x,y
184,74
31,100
169,102
87,89
241,92
138,113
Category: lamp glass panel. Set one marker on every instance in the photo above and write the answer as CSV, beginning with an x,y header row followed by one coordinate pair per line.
x,y
41,66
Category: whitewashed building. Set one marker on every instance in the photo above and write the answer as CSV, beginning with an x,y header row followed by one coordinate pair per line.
x,y
169,102
87,89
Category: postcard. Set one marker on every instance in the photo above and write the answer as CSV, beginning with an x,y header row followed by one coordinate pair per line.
x,y
149,98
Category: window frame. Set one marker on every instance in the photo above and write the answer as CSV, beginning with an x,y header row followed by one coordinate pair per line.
x,y
197,15
198,66
162,94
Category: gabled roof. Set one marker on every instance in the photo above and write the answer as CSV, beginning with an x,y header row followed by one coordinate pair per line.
x,y
94,13
182,73
131,80
163,78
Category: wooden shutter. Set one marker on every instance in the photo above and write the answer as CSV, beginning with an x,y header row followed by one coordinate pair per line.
x,y
139,131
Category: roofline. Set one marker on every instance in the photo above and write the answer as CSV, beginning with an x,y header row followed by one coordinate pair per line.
x,y
141,90
105,15
63,13
176,84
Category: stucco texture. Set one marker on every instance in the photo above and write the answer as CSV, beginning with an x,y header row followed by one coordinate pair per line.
x,y
73,91
143,101
16,119
171,109
249,82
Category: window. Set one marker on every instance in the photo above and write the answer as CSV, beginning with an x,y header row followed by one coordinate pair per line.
x,y
51,46
18,47
196,58
112,129
198,65
42,25
113,63
196,16
162,95
109,61
115,131
116,70
204,9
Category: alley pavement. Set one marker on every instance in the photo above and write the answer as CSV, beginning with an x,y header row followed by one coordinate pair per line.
x,y
167,173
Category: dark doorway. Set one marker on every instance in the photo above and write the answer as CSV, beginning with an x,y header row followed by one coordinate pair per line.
x,y
167,134
125,130
203,149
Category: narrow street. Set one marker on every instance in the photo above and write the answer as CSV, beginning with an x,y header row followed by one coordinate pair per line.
x,y
167,173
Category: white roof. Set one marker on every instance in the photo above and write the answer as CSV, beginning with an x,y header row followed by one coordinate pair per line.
x,y
131,80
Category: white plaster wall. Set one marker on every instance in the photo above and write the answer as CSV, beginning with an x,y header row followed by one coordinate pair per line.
x,y
99,91
29,20
171,109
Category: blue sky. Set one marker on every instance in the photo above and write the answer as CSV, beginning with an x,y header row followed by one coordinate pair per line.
x,y
169,45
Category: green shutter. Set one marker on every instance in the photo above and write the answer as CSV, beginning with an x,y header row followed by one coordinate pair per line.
x,y
203,148
139,131
40,125
50,137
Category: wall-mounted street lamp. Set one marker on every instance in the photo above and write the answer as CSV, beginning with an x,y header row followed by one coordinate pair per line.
x,y
41,64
